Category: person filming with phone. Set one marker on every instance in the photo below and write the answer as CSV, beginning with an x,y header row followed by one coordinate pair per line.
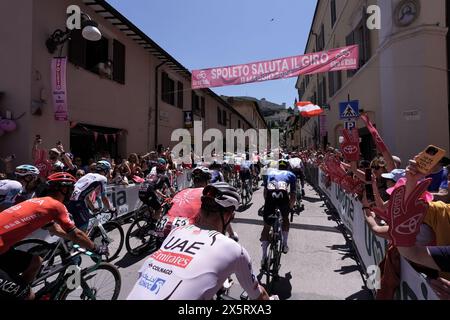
x,y
45,162
439,175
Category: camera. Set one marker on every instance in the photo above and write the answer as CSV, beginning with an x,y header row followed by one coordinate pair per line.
x,y
432,151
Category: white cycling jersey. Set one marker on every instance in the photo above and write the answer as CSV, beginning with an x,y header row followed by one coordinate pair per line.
x,y
9,190
296,163
192,264
87,184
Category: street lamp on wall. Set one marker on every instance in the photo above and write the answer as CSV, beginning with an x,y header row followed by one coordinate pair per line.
x,y
89,32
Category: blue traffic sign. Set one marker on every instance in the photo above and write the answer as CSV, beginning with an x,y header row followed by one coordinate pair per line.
x,y
349,109
350,125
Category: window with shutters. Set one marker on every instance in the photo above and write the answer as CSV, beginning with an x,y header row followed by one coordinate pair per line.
x,y
333,12
321,39
360,36
95,56
322,93
224,117
118,62
196,104
180,94
167,89
219,116
202,106
334,82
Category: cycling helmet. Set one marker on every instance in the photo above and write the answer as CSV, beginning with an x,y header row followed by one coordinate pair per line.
x,y
201,169
58,166
162,161
70,155
26,170
283,164
103,165
60,180
224,195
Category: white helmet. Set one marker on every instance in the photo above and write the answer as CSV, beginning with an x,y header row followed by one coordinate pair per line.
x,y
224,195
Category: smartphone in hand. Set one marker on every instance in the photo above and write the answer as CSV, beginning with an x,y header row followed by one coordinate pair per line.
x,y
368,185
429,158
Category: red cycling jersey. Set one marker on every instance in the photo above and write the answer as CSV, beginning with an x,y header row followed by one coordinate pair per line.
x,y
185,209
19,221
186,204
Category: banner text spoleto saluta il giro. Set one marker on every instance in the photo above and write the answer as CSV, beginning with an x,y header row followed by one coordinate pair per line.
x,y
345,58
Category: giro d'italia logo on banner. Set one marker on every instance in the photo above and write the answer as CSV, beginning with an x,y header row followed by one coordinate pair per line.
x,y
59,92
345,58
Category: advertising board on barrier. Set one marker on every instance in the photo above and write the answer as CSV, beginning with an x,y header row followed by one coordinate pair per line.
x,y
371,248
124,198
413,286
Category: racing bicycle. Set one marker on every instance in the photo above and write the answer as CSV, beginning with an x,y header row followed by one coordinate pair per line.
x,y
102,230
246,193
144,234
57,278
273,265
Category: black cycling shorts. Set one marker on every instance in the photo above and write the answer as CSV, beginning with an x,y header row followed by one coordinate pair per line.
x,y
150,198
276,199
12,263
80,213
245,175
298,173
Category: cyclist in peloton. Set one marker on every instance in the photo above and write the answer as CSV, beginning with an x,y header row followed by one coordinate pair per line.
x,y
276,195
195,260
81,203
17,268
32,185
186,203
9,191
216,174
150,190
245,171
297,168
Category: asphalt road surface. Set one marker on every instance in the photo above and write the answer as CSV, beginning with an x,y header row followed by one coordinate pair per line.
x,y
319,265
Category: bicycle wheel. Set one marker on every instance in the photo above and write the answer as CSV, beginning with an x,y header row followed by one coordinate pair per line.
x,y
138,238
101,283
50,259
34,246
114,238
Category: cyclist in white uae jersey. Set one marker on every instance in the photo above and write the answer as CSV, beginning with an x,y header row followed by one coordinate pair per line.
x,y
191,264
80,203
296,167
9,190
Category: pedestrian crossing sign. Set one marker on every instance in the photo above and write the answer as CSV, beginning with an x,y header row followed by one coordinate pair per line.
x,y
349,109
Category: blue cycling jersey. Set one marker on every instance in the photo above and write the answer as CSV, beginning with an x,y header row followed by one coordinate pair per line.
x,y
216,176
280,180
246,165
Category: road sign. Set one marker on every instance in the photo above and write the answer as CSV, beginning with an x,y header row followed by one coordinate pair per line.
x,y
349,109
349,125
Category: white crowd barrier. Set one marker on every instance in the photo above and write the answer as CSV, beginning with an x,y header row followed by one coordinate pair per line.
x,y
125,198
371,248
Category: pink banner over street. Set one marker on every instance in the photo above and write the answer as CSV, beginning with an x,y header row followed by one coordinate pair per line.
x,y
345,58
59,92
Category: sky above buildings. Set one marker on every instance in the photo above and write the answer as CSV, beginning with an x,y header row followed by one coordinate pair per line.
x,y
212,33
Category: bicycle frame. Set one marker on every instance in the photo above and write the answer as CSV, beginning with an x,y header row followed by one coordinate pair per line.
x,y
55,287
98,224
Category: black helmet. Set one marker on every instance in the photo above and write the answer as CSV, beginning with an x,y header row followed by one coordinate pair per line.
x,y
224,195
201,171
283,164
